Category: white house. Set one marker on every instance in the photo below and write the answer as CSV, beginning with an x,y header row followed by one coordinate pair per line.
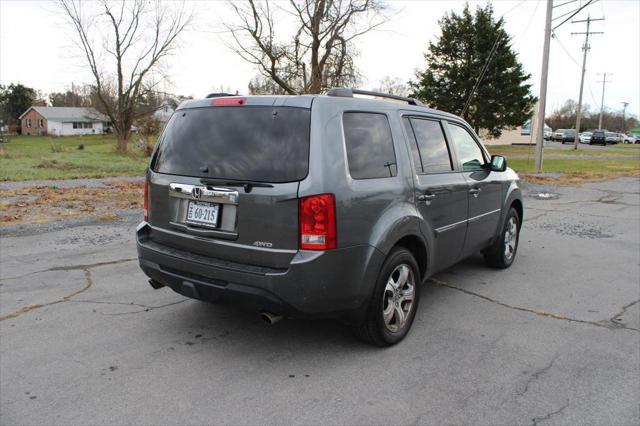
x,y
62,121
165,110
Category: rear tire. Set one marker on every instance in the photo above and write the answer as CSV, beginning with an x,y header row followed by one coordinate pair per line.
x,y
394,301
502,252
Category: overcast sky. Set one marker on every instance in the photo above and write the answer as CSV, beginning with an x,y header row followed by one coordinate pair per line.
x,y
36,48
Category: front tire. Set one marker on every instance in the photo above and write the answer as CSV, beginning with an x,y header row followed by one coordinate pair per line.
x,y
502,252
394,301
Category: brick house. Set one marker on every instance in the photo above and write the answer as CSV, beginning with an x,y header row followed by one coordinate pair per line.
x,y
62,121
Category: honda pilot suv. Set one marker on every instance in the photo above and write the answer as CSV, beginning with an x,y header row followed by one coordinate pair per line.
x,y
322,206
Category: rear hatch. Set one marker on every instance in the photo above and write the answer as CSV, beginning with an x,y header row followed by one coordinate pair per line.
x,y
224,181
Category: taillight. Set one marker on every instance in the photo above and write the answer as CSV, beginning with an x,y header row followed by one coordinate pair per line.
x,y
145,203
228,101
317,222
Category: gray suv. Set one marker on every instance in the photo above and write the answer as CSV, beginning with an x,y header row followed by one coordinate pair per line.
x,y
322,206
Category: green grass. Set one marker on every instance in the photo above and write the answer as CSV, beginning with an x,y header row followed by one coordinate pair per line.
x,y
629,146
601,161
43,157
601,166
630,150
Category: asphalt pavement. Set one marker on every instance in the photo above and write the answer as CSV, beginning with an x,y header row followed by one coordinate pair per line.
x,y
553,340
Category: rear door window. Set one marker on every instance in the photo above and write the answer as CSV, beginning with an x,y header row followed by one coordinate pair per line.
x,y
432,146
369,144
263,144
469,152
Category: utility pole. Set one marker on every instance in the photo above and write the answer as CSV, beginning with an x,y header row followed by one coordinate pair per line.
x,y
543,88
604,81
624,116
585,48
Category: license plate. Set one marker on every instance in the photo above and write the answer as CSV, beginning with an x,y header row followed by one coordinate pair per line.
x,y
203,214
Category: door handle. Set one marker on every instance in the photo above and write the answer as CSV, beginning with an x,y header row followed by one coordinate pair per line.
x,y
426,197
475,191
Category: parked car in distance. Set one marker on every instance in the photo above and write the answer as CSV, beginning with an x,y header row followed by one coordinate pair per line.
x,y
548,135
585,137
598,137
628,139
612,137
322,206
565,135
558,135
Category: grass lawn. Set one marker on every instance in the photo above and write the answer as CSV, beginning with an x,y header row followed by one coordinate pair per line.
x,y
598,164
629,150
44,157
604,166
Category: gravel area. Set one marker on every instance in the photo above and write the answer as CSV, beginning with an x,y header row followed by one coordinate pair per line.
x,y
70,183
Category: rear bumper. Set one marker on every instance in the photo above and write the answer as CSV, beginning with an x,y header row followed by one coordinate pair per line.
x,y
333,283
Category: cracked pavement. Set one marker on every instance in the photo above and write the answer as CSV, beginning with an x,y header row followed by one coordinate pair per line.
x,y
553,340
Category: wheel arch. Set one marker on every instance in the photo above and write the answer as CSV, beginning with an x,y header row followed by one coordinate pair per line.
x,y
418,248
517,205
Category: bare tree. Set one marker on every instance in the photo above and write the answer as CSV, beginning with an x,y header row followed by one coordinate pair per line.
x,y
124,44
393,85
319,54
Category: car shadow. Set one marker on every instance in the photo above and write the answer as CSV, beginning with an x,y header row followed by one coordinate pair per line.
x,y
202,325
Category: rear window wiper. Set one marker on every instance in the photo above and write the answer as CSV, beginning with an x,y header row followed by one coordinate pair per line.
x,y
248,185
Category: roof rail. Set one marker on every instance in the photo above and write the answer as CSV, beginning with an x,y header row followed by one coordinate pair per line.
x,y
346,92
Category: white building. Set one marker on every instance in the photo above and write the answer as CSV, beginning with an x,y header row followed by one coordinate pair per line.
x,y
62,121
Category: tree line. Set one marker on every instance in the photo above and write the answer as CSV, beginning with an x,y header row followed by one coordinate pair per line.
x,y
564,117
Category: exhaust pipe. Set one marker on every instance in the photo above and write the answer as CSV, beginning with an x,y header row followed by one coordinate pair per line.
x,y
155,284
270,318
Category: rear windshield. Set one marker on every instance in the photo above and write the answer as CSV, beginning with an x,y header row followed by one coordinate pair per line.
x,y
263,144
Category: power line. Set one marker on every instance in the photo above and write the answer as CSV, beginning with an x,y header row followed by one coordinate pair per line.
x,y
529,23
565,3
485,67
512,9
481,75
574,14
563,15
557,39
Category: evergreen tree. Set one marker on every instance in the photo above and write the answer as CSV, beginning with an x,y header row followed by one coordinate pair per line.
x,y
14,100
455,64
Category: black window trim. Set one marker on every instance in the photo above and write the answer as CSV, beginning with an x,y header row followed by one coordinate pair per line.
x,y
344,144
452,158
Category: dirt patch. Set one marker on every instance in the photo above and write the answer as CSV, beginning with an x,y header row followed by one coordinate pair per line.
x,y
55,164
32,205
573,179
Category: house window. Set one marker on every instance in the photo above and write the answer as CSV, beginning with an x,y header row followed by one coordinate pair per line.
x,y
29,122
41,123
88,125
75,125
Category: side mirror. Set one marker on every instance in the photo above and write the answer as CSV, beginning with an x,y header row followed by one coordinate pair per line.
x,y
498,163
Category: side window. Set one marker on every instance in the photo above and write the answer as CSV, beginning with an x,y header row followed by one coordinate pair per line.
x,y
432,146
470,154
370,152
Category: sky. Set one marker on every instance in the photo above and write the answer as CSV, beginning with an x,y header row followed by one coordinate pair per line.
x,y
37,50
